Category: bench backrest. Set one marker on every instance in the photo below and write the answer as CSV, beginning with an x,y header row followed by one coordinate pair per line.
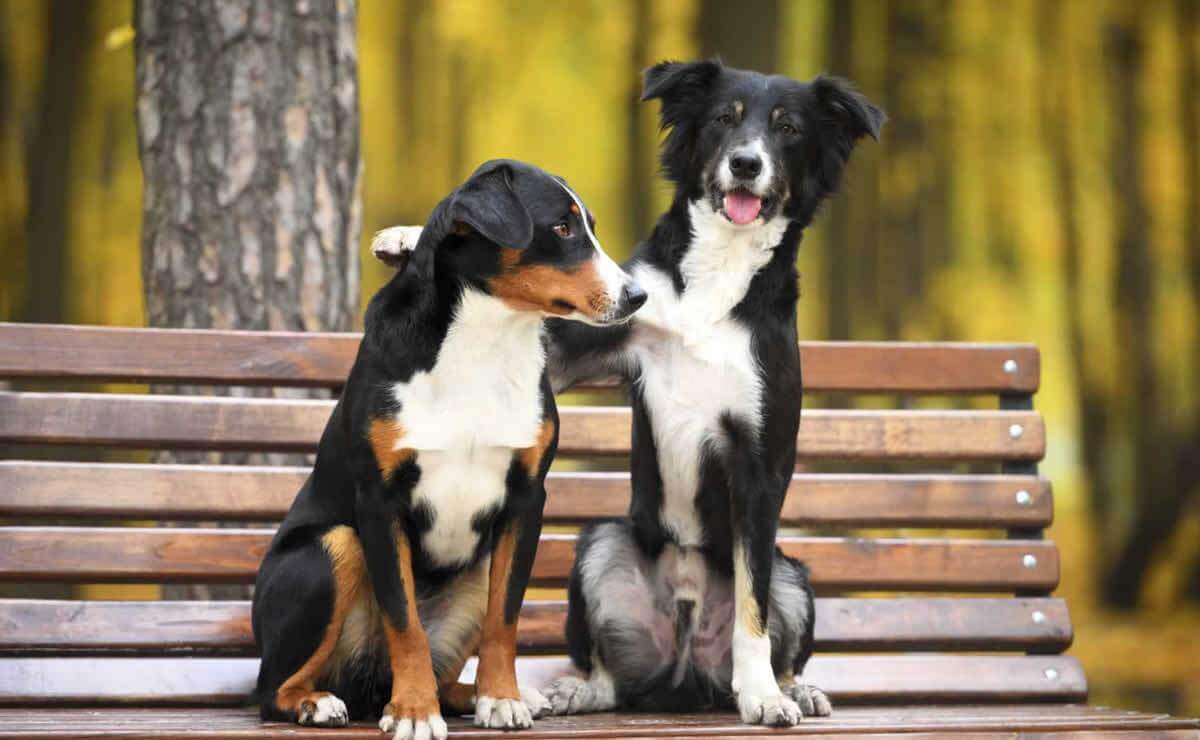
x,y
922,526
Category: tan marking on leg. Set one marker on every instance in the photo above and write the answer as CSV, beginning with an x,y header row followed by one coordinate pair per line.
x,y
747,605
296,694
538,287
414,688
497,674
457,698
531,457
385,436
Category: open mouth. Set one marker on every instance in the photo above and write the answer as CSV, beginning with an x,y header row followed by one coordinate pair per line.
x,y
742,207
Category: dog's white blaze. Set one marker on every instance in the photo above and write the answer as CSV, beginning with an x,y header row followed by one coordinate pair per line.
x,y
696,361
761,183
479,403
610,272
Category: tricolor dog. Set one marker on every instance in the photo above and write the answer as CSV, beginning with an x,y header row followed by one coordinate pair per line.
x,y
409,547
687,603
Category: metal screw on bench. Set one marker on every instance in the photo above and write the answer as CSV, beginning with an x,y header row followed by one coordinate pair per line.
x,y
1023,497
1010,367
1039,617
1015,431
1050,673
1029,561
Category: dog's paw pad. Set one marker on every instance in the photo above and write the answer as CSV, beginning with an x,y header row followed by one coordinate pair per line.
x,y
502,714
539,706
323,711
774,711
812,701
432,727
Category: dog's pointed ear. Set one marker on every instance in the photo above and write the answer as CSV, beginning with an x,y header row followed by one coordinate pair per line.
x,y
487,203
848,109
673,81
683,88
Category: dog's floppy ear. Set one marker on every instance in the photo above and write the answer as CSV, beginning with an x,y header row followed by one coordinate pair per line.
x,y
683,88
487,203
847,109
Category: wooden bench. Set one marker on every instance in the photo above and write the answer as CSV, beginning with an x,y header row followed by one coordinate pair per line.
x,y
948,627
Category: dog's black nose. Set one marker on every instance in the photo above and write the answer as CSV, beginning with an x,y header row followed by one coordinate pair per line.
x,y
745,165
633,296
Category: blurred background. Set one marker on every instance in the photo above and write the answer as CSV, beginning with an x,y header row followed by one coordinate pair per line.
x,y
1038,180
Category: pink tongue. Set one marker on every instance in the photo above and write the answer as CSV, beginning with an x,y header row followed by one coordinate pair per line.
x,y
742,207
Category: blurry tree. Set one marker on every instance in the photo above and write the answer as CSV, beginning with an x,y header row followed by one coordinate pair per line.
x,y
249,138
69,33
638,144
743,34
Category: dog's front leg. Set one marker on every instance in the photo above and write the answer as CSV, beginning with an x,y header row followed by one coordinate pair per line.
x,y
755,505
413,710
501,703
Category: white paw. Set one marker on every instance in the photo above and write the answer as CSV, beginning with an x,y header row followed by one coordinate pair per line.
x,y
502,714
327,711
569,695
432,727
811,700
538,705
772,710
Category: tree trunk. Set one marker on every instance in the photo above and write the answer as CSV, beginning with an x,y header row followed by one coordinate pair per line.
x,y
1157,501
1187,466
743,34
839,242
249,139
638,141
68,36
1093,413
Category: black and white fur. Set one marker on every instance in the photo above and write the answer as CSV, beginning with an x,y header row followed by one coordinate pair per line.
x,y
434,461
688,603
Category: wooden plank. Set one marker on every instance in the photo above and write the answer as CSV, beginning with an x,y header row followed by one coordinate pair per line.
x,y
315,359
915,721
137,555
848,625
218,423
89,491
854,678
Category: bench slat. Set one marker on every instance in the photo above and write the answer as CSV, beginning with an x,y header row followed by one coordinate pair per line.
x,y
921,721
322,359
287,425
851,625
89,491
228,681
138,555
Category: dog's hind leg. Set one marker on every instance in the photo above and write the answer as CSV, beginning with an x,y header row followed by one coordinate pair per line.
x,y
316,579
610,617
791,627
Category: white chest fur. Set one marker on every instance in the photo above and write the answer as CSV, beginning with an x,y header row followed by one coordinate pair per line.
x,y
466,416
696,361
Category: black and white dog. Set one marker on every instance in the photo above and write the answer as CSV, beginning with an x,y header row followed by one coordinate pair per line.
x,y
409,547
687,603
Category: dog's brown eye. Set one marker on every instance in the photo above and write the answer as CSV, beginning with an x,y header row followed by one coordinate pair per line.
x,y
726,119
562,229
787,129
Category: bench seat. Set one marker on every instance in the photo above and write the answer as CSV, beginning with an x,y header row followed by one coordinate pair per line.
x,y
914,722
916,502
